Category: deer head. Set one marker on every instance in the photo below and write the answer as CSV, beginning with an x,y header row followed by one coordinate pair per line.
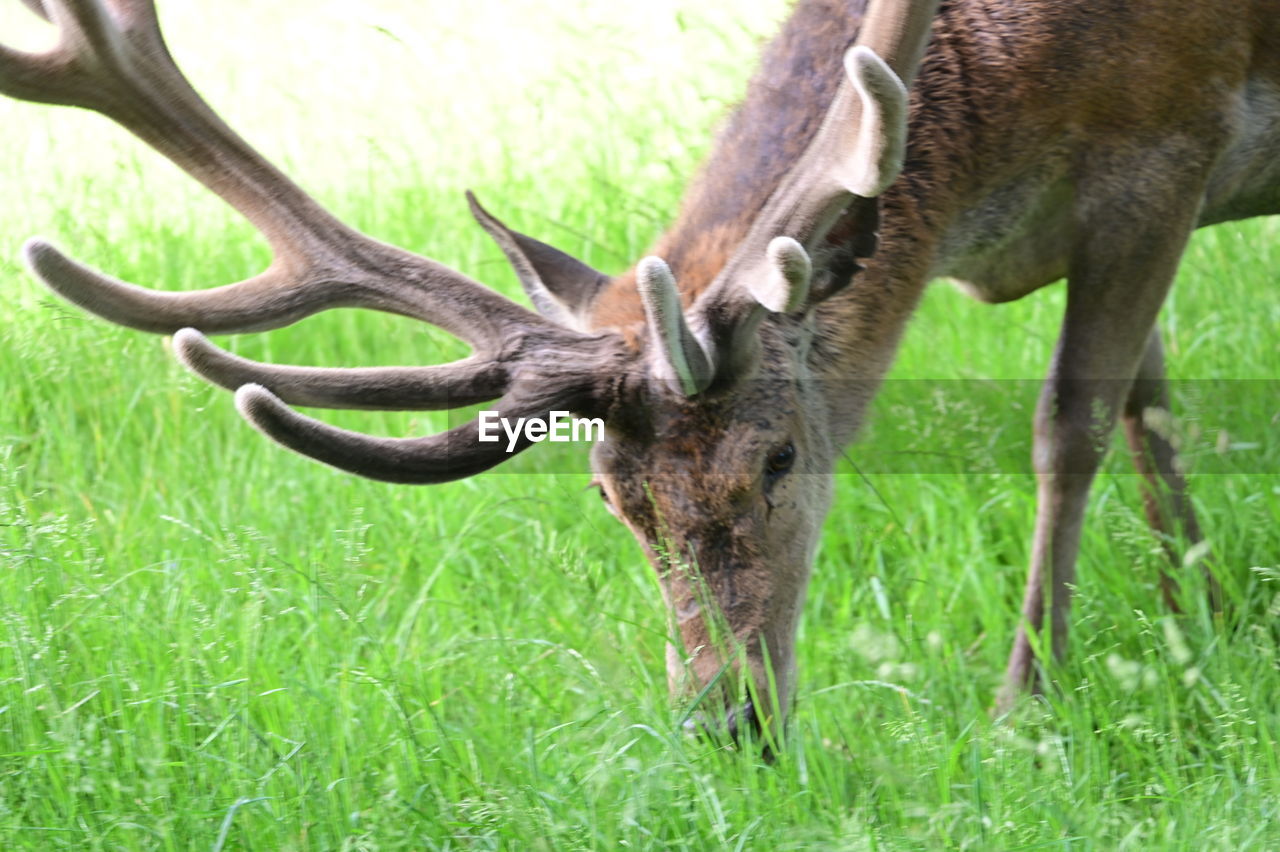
x,y
720,439
720,451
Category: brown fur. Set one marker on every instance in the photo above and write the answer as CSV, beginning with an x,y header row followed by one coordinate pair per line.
x,y
1047,138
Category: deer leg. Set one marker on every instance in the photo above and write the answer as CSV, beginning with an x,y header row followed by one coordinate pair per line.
x,y
1118,278
1164,489
1071,424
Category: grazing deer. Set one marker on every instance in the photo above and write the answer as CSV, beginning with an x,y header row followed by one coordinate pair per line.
x,y
1039,140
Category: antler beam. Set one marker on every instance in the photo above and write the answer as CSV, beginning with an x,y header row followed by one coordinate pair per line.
x,y
856,153
466,382
111,58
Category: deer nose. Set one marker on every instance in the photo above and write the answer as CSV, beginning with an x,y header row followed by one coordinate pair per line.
x,y
737,724
743,722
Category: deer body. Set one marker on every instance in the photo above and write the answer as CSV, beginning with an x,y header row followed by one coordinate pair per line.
x,y
1044,139
1047,140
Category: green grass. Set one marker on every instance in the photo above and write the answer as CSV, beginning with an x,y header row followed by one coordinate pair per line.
x,y
209,643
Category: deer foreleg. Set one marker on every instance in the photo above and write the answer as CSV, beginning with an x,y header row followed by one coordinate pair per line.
x,y
1118,279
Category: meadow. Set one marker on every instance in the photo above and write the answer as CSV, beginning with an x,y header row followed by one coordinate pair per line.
x,y
207,642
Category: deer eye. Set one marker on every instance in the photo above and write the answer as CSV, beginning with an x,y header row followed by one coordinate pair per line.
x,y
780,460
604,497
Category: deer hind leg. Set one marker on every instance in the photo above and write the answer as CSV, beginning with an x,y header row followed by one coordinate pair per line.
x,y
1147,426
1122,263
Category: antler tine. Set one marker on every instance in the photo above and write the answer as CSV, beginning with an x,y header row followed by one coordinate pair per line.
x,y
134,12
23,75
466,382
282,295
856,153
112,58
898,32
87,32
37,7
455,454
682,357
263,302
89,21
876,157
787,287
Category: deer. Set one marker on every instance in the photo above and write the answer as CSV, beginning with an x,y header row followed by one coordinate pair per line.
x,y
1004,144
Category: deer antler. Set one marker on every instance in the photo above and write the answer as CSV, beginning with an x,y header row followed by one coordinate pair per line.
x,y
670,335
112,58
858,151
855,155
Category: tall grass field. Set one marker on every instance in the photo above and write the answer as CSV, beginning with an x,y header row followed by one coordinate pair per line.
x,y
209,643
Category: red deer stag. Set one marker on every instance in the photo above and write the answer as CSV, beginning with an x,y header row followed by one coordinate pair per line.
x,y
1043,139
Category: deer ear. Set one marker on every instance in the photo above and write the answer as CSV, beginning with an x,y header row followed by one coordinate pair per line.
x,y
560,286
